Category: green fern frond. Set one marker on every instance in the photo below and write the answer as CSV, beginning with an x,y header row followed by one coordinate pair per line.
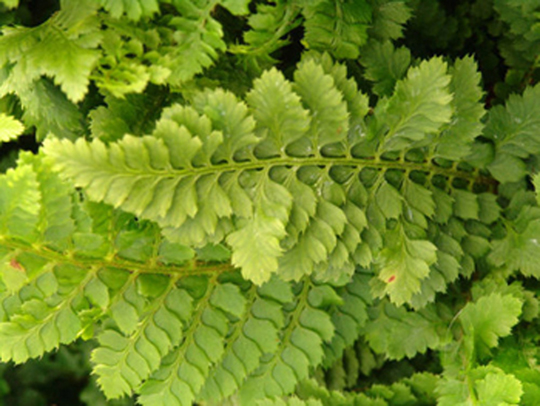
x,y
166,328
223,171
299,349
255,334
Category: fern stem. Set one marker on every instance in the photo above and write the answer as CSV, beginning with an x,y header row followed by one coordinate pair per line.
x,y
191,268
451,173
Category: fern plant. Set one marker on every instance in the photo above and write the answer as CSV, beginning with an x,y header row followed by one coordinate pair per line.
x,y
225,231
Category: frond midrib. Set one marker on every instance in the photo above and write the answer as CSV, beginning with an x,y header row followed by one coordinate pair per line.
x,y
153,266
453,172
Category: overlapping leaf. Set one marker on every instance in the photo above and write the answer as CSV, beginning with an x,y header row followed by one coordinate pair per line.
x,y
514,130
338,27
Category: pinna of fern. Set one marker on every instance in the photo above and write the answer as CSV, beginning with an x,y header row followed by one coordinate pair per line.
x,y
238,245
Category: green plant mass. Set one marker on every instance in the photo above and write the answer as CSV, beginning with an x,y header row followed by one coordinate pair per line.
x,y
270,202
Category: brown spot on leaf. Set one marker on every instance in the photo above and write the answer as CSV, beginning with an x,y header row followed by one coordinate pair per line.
x,y
392,278
16,265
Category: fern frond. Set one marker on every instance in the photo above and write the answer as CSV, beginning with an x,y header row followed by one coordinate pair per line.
x,y
521,43
257,333
455,141
37,99
299,349
182,374
453,391
127,357
306,184
194,41
19,203
165,330
349,317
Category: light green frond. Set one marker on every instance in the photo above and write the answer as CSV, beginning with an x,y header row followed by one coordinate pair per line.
x,y
49,319
184,371
490,318
124,359
10,128
403,264
56,223
303,195
278,111
357,102
255,244
218,219
229,116
19,203
29,53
